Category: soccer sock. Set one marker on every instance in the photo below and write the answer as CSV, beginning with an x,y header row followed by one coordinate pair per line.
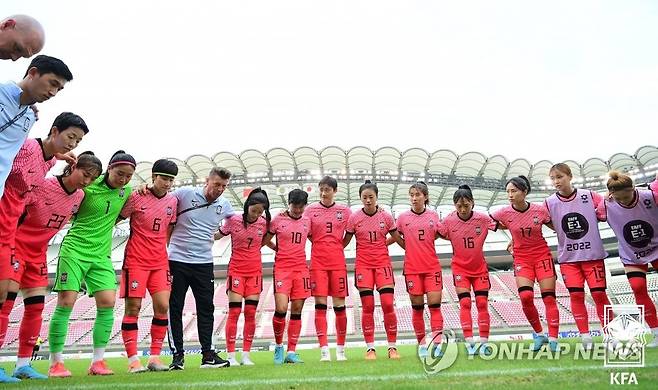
x,y
30,325
638,282
234,309
102,330
600,300
436,322
279,326
59,325
577,298
341,324
418,321
22,362
294,328
484,320
158,331
249,325
7,306
527,296
390,318
552,313
465,314
129,335
321,324
368,315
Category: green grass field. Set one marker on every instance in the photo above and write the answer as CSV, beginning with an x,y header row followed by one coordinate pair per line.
x,y
407,373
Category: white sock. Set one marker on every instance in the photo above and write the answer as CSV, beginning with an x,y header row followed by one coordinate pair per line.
x,y
484,340
325,348
469,340
291,351
370,345
98,354
131,359
56,357
552,338
279,345
392,345
245,354
654,331
231,355
586,335
22,361
340,348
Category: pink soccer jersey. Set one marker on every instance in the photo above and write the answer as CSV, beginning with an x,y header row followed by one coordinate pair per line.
x,y
150,217
370,232
525,227
327,230
419,232
467,239
48,209
291,237
245,245
27,172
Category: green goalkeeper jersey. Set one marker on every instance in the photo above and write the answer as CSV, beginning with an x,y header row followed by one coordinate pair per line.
x,y
90,236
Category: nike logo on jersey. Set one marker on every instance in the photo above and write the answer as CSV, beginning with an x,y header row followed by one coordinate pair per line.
x,y
143,208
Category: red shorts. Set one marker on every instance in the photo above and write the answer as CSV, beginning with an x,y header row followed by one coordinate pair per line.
x,y
575,274
479,282
30,275
135,281
419,284
244,285
7,267
326,283
534,269
371,277
294,284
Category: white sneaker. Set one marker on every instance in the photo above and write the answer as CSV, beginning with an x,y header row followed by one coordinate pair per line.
x,y
588,343
246,361
325,355
340,355
232,362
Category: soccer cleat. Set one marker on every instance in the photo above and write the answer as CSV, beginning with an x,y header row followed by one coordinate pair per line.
x,y
212,360
293,358
27,372
538,341
4,378
278,354
232,362
99,368
588,343
371,354
325,355
340,355
393,353
485,349
177,362
136,367
155,364
553,346
58,370
246,361
422,352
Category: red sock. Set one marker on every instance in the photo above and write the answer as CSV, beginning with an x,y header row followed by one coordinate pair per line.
x,y
249,324
577,298
368,316
321,324
484,321
294,328
638,282
279,326
7,306
129,335
527,296
390,318
234,309
341,324
30,325
465,314
552,313
418,322
600,299
436,322
158,331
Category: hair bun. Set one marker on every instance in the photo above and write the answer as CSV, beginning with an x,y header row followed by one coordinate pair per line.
x,y
465,187
368,182
87,152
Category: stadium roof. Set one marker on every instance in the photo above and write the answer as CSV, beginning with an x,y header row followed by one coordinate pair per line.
x,y
279,170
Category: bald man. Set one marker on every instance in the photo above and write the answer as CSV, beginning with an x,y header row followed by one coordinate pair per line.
x,y
20,36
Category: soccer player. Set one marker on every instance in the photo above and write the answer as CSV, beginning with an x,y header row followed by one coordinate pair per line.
x,y
419,227
467,230
532,258
48,209
245,271
328,267
633,216
85,255
372,267
45,77
575,214
146,263
20,36
291,276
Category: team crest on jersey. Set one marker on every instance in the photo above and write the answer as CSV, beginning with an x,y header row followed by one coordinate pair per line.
x,y
359,277
647,203
218,209
134,284
584,198
518,268
431,223
458,277
410,284
478,230
26,125
75,208
339,215
279,283
195,203
170,210
236,282
122,192
535,220
15,265
260,232
63,277
381,225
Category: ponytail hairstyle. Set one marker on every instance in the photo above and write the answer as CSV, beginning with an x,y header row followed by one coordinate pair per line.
x,y
87,161
521,182
257,196
463,192
368,185
618,181
421,187
561,167
120,157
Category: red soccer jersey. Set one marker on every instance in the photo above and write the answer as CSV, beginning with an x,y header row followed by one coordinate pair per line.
x,y
370,232
327,231
27,172
467,239
149,218
291,237
245,245
48,209
419,232
525,227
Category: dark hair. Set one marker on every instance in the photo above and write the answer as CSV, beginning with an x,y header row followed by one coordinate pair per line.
x,y
165,167
86,160
463,192
521,182
221,172
297,197
329,181
46,64
120,157
368,185
561,167
69,119
257,196
422,188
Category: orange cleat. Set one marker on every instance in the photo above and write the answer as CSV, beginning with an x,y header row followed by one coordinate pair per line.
x,y
393,353
99,368
371,354
58,370
136,367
